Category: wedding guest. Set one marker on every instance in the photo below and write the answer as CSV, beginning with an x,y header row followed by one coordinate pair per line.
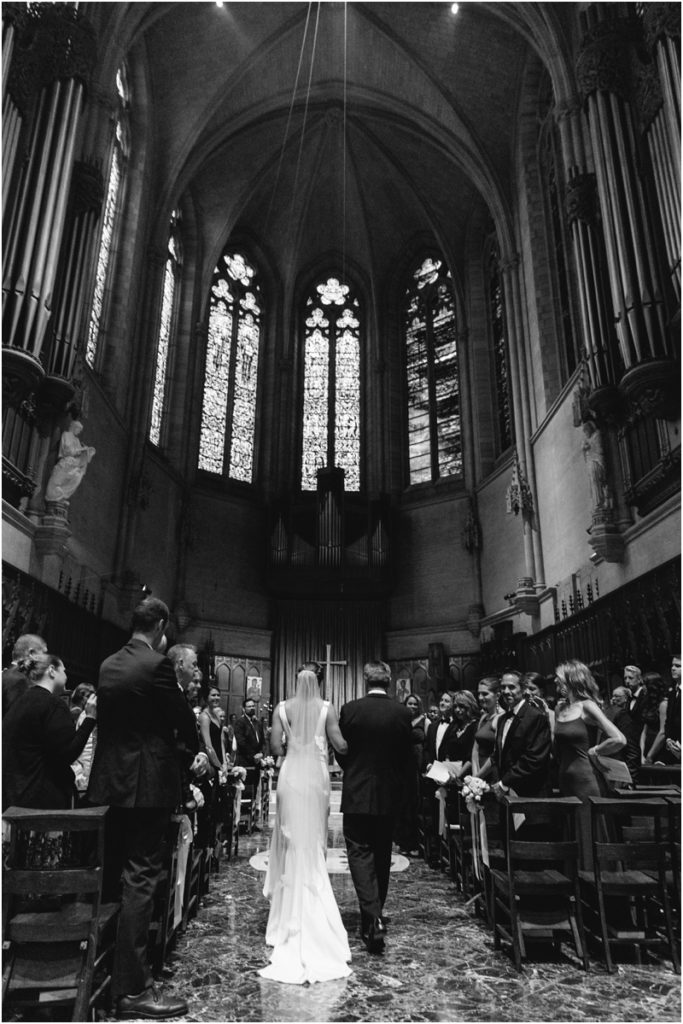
x,y
250,743
577,717
653,736
633,678
485,736
79,696
672,729
522,748
15,678
533,685
82,765
619,714
437,731
211,728
458,742
39,742
433,713
406,832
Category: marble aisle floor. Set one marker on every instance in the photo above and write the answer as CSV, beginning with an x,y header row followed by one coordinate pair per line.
x,y
439,964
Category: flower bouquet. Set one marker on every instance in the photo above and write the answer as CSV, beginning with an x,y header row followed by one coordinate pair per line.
x,y
268,766
473,789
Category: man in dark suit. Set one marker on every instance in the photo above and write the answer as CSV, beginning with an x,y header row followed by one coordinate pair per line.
x,y
378,732
14,678
619,714
522,747
250,741
39,741
436,740
672,724
142,717
633,678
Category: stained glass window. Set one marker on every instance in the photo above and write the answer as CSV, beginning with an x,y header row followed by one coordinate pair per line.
x,y
331,406
112,205
434,437
171,275
500,349
231,371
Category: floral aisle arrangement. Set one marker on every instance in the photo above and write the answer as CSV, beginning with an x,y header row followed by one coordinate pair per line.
x,y
473,790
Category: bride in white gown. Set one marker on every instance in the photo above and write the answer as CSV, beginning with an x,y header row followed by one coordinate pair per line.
x,y
304,925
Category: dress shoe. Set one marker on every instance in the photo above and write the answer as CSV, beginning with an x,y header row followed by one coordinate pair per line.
x,y
150,1004
374,937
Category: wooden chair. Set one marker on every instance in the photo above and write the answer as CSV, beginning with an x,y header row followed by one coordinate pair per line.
x,y
537,895
164,925
428,840
627,890
659,775
58,936
456,842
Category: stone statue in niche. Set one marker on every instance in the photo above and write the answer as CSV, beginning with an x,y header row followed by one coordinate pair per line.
x,y
71,465
594,457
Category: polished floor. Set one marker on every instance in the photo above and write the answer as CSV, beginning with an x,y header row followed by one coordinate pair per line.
x,y
439,964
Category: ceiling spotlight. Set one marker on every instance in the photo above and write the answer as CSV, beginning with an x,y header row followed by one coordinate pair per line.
x,y
455,8
219,3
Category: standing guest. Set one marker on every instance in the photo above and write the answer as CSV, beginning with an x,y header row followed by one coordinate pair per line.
x,y
83,763
533,685
653,736
38,739
577,716
79,695
406,834
377,731
619,714
250,746
211,728
432,714
672,727
459,740
136,770
434,749
15,678
483,766
522,749
633,678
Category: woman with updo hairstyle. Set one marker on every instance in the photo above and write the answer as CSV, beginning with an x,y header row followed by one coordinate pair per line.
x,y
483,765
577,720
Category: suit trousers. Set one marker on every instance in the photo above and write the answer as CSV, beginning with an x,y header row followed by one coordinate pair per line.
x,y
135,849
368,846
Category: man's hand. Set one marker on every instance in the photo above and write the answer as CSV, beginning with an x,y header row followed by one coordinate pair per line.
x,y
258,758
91,706
200,765
498,791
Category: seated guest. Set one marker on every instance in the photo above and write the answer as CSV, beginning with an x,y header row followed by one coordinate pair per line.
x,y
458,743
672,727
533,685
485,735
620,716
653,737
15,678
39,742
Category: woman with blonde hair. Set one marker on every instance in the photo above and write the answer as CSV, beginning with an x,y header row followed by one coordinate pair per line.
x,y
577,720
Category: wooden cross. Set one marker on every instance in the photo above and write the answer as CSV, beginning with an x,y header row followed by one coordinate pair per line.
x,y
329,663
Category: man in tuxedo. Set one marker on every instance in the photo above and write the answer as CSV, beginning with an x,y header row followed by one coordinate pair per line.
x,y
250,743
522,746
672,725
436,740
633,678
378,732
14,678
618,713
142,717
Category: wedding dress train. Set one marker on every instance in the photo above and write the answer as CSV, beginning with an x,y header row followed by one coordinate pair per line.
x,y
304,925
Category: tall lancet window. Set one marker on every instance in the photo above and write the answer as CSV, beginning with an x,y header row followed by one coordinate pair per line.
x,y
166,327
231,372
434,440
501,361
112,207
331,408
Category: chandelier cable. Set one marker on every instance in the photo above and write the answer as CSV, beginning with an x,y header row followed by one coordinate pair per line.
x,y
303,126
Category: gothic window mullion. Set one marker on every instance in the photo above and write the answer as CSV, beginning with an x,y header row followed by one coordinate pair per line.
x,y
431,388
332,392
230,398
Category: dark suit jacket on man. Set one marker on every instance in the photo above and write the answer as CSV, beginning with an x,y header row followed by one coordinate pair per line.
x,y
142,717
14,684
378,732
522,761
637,711
672,722
430,754
39,743
249,739
631,753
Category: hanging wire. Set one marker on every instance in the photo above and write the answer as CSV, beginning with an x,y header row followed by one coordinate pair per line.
x,y
303,126
289,117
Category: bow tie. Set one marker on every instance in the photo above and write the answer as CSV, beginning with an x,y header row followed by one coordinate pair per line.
x,y
508,715
444,721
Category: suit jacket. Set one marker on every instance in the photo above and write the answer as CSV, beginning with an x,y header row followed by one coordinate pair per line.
x,y
672,724
39,742
630,754
142,719
250,740
523,760
430,755
14,684
380,757
637,712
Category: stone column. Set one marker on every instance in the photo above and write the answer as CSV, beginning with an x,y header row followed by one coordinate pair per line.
x,y
62,45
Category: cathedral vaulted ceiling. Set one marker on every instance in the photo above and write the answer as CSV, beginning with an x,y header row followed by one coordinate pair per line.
x,y
334,128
